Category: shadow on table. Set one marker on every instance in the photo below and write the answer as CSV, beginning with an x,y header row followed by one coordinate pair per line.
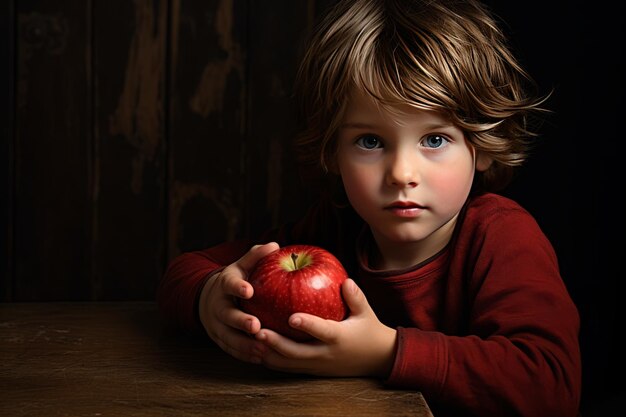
x,y
197,356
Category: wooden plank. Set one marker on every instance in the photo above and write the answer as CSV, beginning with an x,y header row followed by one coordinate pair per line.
x,y
129,75
7,112
274,192
206,123
52,150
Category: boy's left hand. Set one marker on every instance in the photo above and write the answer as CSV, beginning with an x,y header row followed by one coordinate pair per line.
x,y
357,346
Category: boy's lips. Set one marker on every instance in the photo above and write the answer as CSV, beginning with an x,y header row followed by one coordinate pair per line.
x,y
404,205
407,209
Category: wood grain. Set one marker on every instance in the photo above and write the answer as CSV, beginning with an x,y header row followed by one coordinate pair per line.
x,y
52,151
206,123
130,44
104,359
277,35
7,137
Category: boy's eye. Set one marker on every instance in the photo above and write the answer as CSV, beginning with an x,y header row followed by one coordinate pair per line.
x,y
434,141
369,142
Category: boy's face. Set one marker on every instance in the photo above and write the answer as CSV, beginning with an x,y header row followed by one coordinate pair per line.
x,y
407,173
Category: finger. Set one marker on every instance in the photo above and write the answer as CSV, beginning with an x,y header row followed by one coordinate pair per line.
x,y
319,328
247,262
239,345
288,348
234,284
234,276
233,317
354,298
222,308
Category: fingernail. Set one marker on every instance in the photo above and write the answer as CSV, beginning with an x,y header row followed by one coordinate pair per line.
x,y
296,322
242,291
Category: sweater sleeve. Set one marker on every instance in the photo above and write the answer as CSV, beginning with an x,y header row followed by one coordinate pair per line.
x,y
184,278
515,351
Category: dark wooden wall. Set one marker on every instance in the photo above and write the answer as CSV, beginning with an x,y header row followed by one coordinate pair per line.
x,y
140,130
132,131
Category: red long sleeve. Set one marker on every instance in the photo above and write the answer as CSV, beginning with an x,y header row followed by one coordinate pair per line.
x,y
180,287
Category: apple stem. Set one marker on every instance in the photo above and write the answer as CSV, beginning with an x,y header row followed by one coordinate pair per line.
x,y
294,257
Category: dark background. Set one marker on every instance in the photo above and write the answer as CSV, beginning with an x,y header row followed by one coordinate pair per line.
x,y
134,131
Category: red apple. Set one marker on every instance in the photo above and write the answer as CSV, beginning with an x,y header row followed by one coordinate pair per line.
x,y
296,279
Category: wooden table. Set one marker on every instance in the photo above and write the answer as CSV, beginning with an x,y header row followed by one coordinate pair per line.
x,y
115,359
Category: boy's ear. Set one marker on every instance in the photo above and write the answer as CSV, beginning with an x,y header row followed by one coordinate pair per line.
x,y
483,161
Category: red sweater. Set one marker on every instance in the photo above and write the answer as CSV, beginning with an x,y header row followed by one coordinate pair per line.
x,y
486,327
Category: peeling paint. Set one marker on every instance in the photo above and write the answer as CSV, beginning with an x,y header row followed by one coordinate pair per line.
x,y
209,94
138,117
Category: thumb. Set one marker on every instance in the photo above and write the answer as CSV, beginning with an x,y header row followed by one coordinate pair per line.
x,y
247,262
354,297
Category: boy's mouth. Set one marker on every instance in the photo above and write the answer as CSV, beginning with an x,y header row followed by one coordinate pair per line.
x,y
404,205
406,209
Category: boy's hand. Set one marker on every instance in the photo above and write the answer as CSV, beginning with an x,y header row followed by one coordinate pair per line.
x,y
358,346
222,319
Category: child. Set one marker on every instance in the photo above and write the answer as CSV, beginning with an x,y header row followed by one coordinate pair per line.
x,y
416,111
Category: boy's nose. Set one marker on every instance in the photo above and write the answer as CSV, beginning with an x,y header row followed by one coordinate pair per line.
x,y
402,172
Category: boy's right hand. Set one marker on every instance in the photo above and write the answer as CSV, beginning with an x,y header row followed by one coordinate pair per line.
x,y
222,319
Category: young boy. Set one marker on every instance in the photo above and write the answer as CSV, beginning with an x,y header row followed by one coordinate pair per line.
x,y
415,113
